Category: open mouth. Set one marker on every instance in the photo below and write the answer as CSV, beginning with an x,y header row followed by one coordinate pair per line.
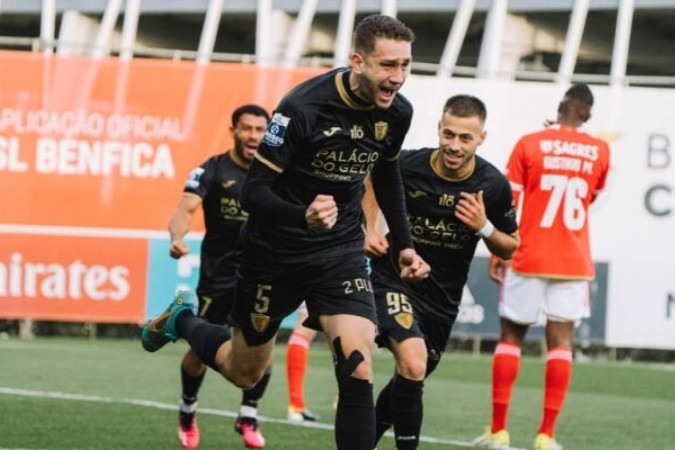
x,y
387,93
249,150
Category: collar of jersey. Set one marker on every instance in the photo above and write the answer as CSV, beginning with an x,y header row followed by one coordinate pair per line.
x,y
566,128
346,94
433,160
236,159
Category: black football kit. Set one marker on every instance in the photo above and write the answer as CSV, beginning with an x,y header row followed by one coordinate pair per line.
x,y
218,183
322,139
428,308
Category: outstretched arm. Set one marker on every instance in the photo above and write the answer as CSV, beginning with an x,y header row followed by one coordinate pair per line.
x,y
179,224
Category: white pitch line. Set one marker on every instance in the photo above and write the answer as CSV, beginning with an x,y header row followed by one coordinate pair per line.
x,y
214,412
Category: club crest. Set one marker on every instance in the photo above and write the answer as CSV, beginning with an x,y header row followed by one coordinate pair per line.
x,y
381,130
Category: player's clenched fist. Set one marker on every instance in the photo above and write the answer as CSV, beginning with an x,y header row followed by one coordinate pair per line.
x,y
178,249
470,209
413,267
322,213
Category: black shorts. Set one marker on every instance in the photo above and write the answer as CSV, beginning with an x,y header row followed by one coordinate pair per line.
x,y
216,308
400,317
337,285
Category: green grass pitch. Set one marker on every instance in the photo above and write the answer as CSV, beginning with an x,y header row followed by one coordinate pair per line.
x,y
77,394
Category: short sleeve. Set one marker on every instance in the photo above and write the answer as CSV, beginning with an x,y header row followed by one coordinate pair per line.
x,y
503,216
199,181
602,179
516,167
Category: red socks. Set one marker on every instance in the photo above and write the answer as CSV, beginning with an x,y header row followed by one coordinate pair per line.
x,y
505,366
558,375
296,367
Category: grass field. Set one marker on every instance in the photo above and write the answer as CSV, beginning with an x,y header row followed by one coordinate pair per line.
x,y
81,394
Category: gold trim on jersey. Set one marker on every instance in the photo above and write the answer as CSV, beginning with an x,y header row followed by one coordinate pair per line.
x,y
193,195
236,159
268,163
434,161
344,94
392,158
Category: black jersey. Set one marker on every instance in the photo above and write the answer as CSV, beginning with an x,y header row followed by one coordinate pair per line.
x,y
218,182
440,238
322,139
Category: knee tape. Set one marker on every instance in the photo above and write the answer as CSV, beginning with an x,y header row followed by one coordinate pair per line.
x,y
344,367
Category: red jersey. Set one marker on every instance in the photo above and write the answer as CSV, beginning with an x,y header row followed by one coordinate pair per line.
x,y
557,173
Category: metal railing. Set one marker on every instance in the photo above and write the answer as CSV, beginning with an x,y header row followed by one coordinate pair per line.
x,y
35,44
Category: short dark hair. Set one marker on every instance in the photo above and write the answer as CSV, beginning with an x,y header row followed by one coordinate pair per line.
x,y
379,26
466,106
252,109
582,93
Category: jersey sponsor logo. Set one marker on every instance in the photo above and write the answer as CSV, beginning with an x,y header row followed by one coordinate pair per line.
x,y
332,131
231,209
446,200
356,132
192,181
560,147
343,164
404,319
260,322
446,232
274,135
229,183
381,130
416,194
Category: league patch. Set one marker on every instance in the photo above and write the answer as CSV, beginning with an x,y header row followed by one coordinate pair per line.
x,y
404,319
260,322
192,181
274,135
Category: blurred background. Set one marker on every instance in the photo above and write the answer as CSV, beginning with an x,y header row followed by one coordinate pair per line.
x,y
106,105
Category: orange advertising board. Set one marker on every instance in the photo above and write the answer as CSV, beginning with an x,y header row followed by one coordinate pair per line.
x,y
108,143
72,278
93,158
